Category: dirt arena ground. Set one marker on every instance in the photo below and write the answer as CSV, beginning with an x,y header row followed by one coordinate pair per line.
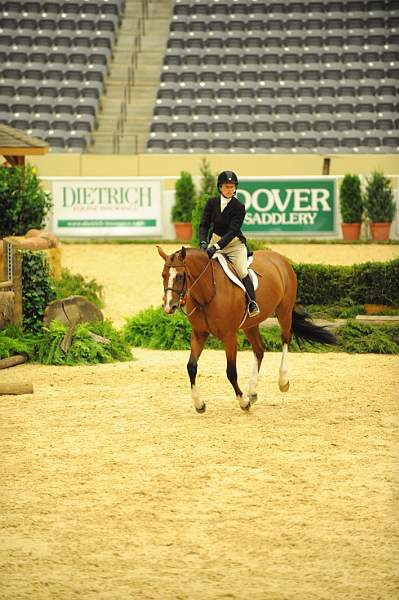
x,y
114,488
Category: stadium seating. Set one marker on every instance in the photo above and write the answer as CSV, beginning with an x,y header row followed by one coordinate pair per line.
x,y
292,76
54,60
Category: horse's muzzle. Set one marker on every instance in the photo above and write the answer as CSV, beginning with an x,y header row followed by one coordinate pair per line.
x,y
170,307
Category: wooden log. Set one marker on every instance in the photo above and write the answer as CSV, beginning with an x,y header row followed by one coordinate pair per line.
x,y
378,318
15,388
18,359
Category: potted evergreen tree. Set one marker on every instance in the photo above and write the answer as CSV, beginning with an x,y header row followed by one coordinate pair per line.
x,y
208,188
351,205
380,205
183,207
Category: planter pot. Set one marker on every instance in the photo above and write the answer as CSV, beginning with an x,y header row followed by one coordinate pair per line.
x,y
351,231
184,231
380,231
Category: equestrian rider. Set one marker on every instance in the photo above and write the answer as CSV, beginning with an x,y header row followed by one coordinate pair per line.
x,y
224,216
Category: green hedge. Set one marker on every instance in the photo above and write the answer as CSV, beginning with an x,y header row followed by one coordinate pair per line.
x,y
366,283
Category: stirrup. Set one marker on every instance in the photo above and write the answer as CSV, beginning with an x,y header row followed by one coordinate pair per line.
x,y
253,309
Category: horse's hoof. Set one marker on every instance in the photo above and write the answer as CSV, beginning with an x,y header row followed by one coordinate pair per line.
x,y
253,398
285,387
201,410
246,407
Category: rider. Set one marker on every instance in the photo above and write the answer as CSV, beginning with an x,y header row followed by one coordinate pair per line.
x,y
224,215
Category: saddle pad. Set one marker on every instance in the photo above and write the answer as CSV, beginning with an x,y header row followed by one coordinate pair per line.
x,y
223,263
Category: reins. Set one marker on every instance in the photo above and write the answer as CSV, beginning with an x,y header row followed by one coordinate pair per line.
x,y
199,305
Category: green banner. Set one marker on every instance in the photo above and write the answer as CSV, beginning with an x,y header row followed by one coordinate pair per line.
x,y
289,205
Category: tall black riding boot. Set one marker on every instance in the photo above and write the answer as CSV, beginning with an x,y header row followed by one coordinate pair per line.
x,y
253,308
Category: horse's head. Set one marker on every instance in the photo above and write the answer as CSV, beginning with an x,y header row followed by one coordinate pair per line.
x,y
174,279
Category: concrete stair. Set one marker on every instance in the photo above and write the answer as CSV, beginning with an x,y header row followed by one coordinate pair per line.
x,y
133,78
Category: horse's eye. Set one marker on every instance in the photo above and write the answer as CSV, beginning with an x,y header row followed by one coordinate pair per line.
x,y
179,277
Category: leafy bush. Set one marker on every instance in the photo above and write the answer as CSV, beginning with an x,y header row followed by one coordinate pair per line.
x,y
350,199
44,346
77,285
379,198
363,338
24,204
184,199
13,341
37,288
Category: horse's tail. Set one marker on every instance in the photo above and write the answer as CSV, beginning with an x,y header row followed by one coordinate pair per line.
x,y
304,328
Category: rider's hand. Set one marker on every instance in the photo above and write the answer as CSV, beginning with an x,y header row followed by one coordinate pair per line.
x,y
203,246
211,251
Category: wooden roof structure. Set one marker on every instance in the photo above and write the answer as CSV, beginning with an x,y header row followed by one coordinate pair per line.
x,y
16,144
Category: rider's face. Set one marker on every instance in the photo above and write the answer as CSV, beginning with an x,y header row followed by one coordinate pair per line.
x,y
227,189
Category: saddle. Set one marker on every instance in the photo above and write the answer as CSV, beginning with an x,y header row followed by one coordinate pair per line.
x,y
231,272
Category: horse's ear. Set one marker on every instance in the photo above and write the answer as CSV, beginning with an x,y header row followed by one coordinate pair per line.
x,y
182,254
162,253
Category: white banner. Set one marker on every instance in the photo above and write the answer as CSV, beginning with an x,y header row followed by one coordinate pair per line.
x,y
103,206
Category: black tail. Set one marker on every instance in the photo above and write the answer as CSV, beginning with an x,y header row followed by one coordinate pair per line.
x,y
304,329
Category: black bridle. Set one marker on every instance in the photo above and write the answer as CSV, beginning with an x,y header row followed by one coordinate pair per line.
x,y
187,291
182,292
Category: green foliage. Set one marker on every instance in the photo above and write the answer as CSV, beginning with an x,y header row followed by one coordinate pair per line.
x,y
322,284
379,198
184,199
77,285
350,199
24,204
153,328
362,339
208,188
375,283
255,245
37,288
43,346
365,283
13,341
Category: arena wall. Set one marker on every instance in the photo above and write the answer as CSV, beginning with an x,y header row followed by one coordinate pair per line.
x,y
84,165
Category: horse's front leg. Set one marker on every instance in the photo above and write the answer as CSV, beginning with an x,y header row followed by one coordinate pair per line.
x,y
198,339
230,347
254,337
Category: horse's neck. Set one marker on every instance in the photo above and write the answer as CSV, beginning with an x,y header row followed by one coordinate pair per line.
x,y
201,279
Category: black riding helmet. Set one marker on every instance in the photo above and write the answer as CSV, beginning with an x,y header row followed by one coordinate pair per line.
x,y
227,177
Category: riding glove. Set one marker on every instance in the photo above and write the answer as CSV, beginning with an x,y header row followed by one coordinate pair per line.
x,y
211,251
203,245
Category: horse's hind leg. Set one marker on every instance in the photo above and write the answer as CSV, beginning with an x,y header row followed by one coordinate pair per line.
x,y
284,316
230,347
255,339
198,339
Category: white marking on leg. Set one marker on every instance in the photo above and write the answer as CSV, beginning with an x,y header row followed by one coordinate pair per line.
x,y
283,381
243,402
196,399
168,299
253,382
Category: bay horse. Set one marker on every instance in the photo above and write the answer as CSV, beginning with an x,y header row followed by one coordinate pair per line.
x,y
215,305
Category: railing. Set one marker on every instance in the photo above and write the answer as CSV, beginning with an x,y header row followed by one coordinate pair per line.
x,y
127,93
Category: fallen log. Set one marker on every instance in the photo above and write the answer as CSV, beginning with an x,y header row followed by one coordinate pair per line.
x,y
18,359
15,388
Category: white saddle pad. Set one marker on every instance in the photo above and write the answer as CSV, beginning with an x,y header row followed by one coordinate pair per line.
x,y
223,262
